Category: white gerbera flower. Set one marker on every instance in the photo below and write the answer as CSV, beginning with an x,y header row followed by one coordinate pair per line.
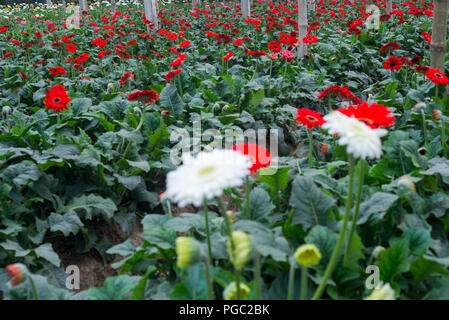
x,y
206,176
361,141
382,292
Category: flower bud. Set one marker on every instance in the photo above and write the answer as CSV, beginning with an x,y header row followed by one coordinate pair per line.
x,y
436,115
323,149
5,111
307,255
231,215
377,252
242,248
230,293
420,105
188,252
166,113
382,292
111,86
406,183
16,273
422,151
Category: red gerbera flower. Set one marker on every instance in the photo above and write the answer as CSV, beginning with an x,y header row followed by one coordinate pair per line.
x,y
285,38
123,54
227,56
127,75
15,274
57,70
184,44
172,36
170,74
374,115
393,63
70,48
309,39
389,47
144,96
260,157
274,46
82,58
57,98
99,42
223,38
309,118
343,92
437,77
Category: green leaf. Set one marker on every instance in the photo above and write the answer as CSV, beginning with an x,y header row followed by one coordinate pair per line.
x,y
114,288
276,181
326,240
93,205
46,252
170,99
124,249
14,246
66,223
21,173
260,204
419,240
80,105
394,260
422,268
379,202
440,290
310,203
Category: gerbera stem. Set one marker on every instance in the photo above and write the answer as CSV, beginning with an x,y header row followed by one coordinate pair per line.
x,y
424,126
303,282
356,212
206,217
58,117
248,189
210,289
237,281
257,276
291,280
334,257
443,137
309,132
436,93
168,204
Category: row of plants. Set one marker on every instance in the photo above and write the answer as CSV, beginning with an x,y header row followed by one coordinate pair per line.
x,y
90,107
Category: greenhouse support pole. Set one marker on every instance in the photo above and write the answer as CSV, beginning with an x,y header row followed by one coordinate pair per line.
x,y
302,27
389,6
246,8
439,26
151,12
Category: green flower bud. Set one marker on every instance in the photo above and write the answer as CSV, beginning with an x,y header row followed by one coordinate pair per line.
x,y
230,293
377,251
188,252
307,255
383,292
242,246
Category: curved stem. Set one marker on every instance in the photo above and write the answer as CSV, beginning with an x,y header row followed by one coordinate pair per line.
x,y
248,188
210,289
257,277
310,148
168,203
333,260
424,126
237,281
33,287
206,217
356,212
291,280
303,283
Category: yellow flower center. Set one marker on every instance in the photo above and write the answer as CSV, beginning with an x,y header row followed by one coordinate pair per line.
x,y
206,171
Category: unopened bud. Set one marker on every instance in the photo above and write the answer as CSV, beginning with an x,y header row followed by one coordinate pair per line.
x,y
307,255
377,252
230,293
406,183
436,115
242,247
188,252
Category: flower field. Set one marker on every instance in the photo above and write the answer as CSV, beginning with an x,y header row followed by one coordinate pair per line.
x,y
122,143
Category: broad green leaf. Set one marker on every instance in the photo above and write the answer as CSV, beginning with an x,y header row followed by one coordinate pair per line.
x,y
379,202
394,260
276,181
114,288
310,203
66,223
46,252
170,99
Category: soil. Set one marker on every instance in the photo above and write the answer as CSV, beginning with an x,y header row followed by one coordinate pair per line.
x,y
93,270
